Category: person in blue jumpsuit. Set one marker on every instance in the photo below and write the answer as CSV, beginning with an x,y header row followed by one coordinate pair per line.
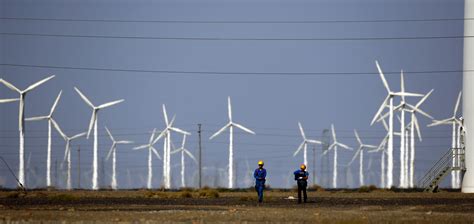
x,y
301,177
260,175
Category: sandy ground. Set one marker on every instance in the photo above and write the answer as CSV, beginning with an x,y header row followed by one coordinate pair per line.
x,y
236,207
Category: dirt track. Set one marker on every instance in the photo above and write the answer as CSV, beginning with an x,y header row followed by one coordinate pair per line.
x,y
324,207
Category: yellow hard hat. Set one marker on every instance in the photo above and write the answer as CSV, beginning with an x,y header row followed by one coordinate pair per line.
x,y
260,162
303,167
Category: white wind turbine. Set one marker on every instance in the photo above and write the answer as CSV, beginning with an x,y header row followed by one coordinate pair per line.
x,y
166,133
415,125
151,150
334,146
389,99
304,145
112,152
184,151
93,125
21,121
360,153
48,118
454,121
231,126
67,151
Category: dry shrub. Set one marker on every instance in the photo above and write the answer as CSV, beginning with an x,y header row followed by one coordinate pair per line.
x,y
316,187
62,197
209,193
367,189
186,194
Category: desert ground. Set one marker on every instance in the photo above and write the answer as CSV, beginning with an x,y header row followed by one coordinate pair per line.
x,y
214,206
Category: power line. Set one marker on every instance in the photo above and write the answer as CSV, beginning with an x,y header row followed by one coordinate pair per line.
x,y
236,21
440,72
237,38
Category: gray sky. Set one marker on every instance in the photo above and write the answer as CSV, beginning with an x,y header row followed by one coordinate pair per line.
x,y
269,104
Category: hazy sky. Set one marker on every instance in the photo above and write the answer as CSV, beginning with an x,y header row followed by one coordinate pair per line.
x,y
270,104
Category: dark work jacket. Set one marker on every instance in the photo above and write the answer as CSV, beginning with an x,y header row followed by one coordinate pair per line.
x,y
260,175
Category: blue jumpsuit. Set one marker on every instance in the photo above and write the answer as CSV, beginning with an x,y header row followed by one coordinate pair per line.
x,y
260,174
302,184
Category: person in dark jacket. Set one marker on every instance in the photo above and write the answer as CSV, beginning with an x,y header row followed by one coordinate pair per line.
x,y
260,175
301,177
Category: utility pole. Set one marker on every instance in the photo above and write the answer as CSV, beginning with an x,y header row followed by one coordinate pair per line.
x,y
79,168
314,165
200,157
102,173
56,173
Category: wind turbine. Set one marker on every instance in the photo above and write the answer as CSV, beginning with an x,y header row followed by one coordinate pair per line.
x,y
389,99
415,125
334,146
21,121
360,153
49,118
93,125
167,146
455,178
112,152
304,145
231,126
151,149
183,152
67,151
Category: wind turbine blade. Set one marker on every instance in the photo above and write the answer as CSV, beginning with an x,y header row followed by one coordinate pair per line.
x,y
417,126
37,118
229,108
424,98
140,147
183,142
179,131
31,87
109,104
402,84
110,134
441,122
385,125
55,103
314,141
424,113
383,116
244,128
91,123
165,115
354,157
10,86
379,111
301,130
458,102
407,94
191,156
66,152
333,133
155,152
84,98
78,135
110,152
369,146
176,151
9,100
220,131
385,83
299,149
56,126
152,137
124,142
344,146
163,133
357,137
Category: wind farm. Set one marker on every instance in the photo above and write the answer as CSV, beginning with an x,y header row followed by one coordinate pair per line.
x,y
237,112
